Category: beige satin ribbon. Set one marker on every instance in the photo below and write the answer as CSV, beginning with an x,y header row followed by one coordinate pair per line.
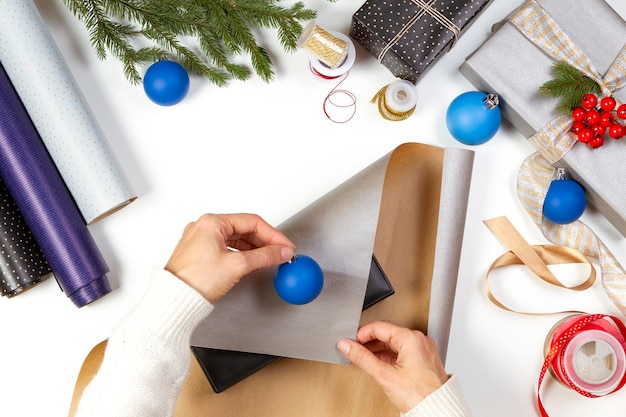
x,y
554,140
536,258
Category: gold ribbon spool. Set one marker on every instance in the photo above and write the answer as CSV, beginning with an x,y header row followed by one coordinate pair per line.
x,y
327,47
396,101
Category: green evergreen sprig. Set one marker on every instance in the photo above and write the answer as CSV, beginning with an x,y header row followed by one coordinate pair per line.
x,y
203,35
570,85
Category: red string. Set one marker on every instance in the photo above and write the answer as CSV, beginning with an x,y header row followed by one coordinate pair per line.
x,y
334,91
326,77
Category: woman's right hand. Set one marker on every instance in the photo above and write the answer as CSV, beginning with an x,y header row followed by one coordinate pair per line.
x,y
405,363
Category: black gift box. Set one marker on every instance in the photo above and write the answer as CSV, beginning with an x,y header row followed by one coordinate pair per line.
x,y
407,36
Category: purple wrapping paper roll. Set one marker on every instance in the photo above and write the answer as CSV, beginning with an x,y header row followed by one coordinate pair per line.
x,y
46,204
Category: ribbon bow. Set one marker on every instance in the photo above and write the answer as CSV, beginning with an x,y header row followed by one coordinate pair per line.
x,y
554,140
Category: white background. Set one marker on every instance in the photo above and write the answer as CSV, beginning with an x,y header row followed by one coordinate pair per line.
x,y
269,149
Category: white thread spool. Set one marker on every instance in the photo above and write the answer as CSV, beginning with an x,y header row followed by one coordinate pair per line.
x,y
323,72
401,96
595,361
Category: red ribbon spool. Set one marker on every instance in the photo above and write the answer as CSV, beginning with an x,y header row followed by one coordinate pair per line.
x,y
586,353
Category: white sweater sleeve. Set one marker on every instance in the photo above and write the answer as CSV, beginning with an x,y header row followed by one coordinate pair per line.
x,y
447,401
147,357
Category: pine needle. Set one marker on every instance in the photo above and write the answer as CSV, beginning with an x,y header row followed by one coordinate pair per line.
x,y
570,85
221,29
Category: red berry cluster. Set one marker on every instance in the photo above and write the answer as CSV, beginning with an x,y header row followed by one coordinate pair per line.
x,y
592,120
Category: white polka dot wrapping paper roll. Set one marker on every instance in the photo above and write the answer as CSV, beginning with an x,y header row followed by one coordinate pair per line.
x,y
22,264
60,112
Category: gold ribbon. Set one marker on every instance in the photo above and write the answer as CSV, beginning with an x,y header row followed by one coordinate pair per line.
x,y
554,140
387,112
536,258
425,7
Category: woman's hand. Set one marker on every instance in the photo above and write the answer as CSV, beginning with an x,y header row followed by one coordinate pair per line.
x,y
217,250
404,362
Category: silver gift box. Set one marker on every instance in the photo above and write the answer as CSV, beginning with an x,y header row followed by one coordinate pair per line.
x,y
508,64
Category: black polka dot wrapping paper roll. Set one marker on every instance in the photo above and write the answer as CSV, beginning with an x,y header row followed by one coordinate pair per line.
x,y
408,36
22,264
46,204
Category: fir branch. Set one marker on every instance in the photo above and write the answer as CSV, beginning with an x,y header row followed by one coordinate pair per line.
x,y
570,85
222,29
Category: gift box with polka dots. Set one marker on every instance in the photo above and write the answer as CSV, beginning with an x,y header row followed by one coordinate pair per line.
x,y
408,36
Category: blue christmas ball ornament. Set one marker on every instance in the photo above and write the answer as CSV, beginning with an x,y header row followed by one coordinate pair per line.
x,y
565,200
166,82
473,117
299,281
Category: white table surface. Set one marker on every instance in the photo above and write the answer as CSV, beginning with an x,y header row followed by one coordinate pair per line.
x,y
269,149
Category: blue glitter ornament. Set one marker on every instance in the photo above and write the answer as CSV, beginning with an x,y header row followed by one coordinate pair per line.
x,y
166,82
473,117
299,281
565,200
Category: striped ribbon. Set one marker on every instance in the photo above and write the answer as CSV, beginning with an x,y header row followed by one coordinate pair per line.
x,y
554,140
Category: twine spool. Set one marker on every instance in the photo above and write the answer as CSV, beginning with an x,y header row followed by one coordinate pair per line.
x,y
322,72
325,74
396,101
328,47
593,359
332,57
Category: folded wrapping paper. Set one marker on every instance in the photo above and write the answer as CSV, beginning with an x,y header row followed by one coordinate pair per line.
x,y
224,368
418,238
510,64
338,231
22,264
46,204
60,113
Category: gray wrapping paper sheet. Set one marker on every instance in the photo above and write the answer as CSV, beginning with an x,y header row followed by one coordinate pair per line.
x,y
509,65
338,230
456,179
60,112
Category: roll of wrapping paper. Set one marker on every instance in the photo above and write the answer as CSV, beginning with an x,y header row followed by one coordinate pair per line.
x,y
60,112
418,234
46,204
22,264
